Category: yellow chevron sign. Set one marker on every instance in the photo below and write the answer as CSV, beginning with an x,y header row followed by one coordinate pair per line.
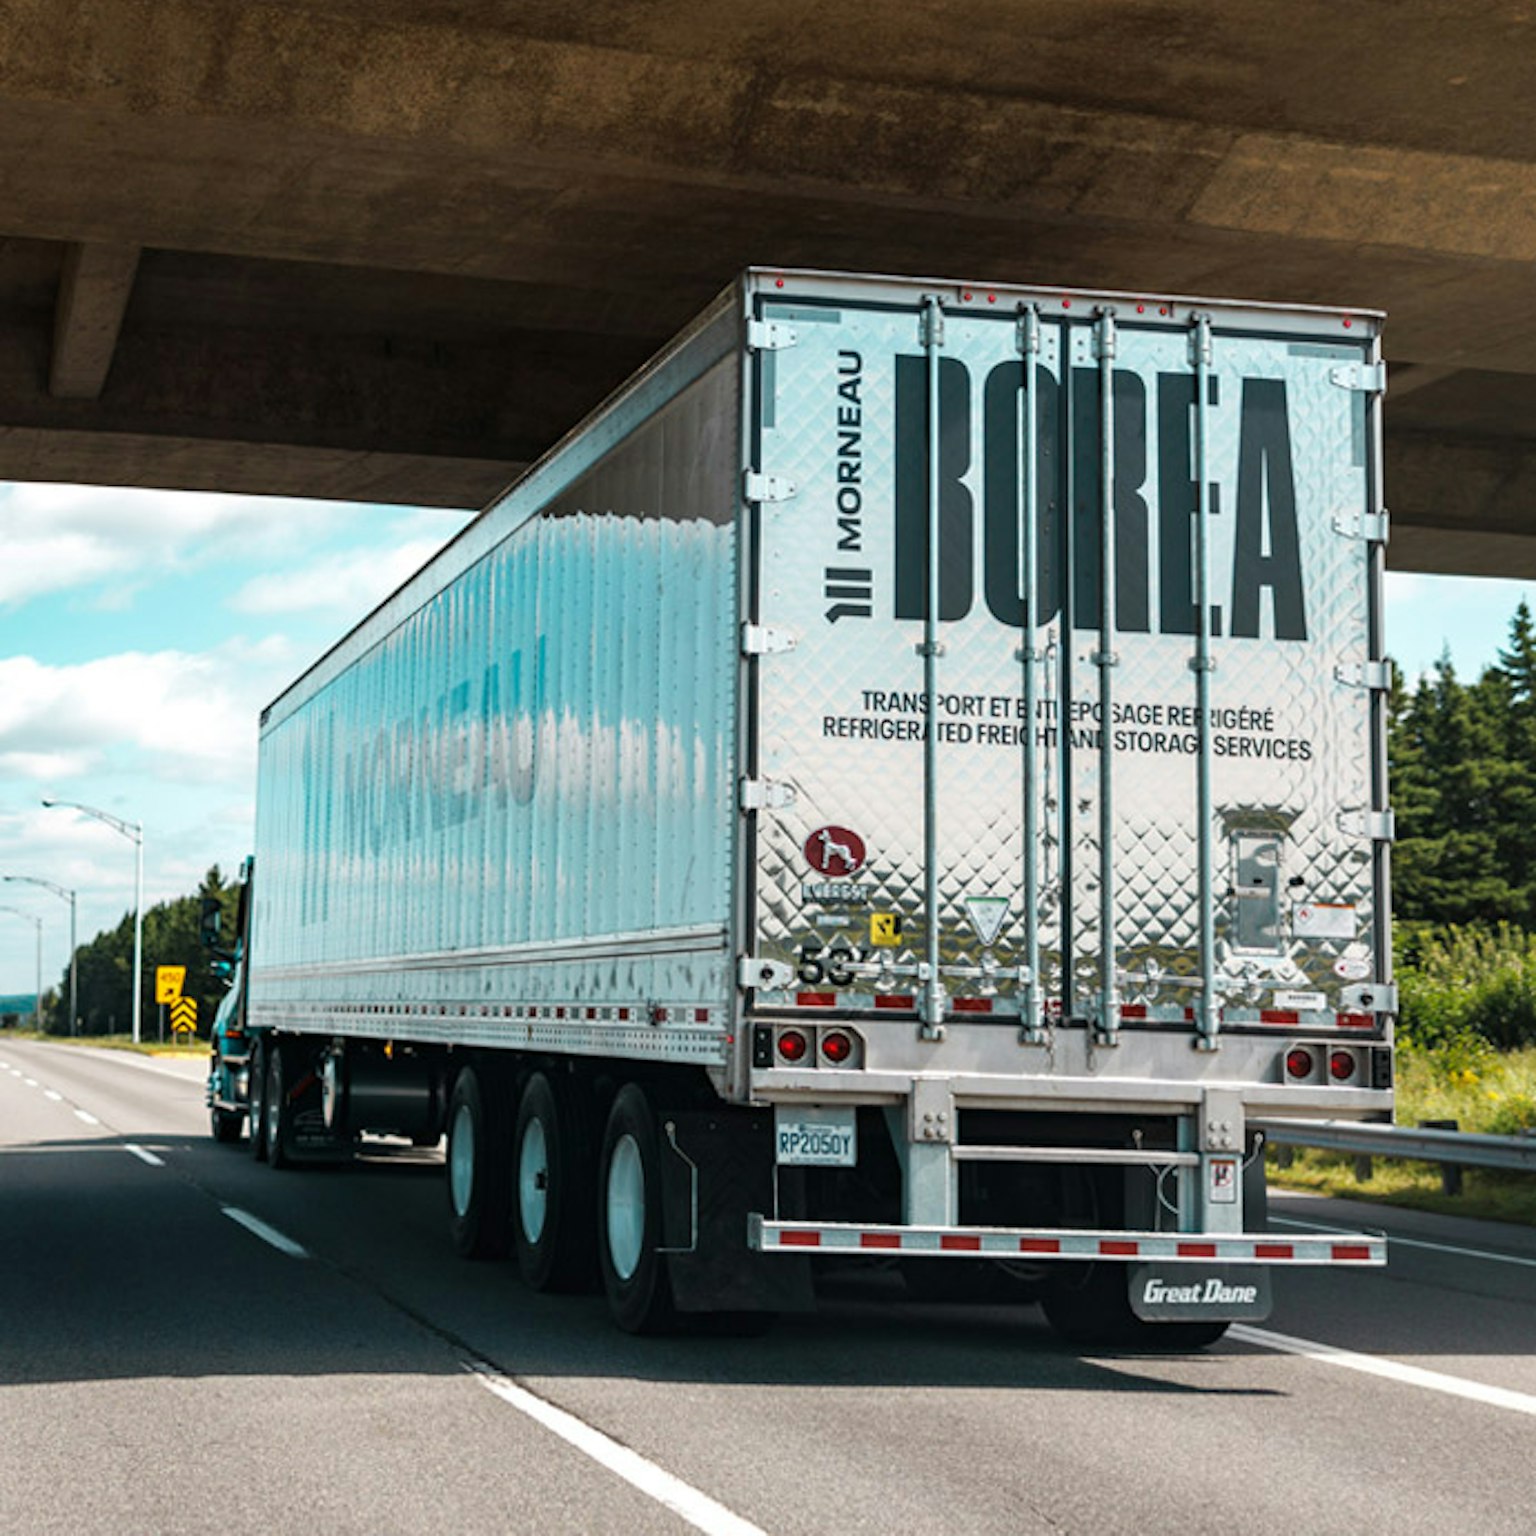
x,y
184,1016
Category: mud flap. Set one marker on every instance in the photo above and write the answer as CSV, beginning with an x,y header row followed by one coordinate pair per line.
x,y
1183,1293
717,1168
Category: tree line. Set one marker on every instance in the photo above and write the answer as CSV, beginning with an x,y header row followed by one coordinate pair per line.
x,y
172,936
1463,776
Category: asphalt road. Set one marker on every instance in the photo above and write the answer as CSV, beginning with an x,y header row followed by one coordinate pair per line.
x,y
164,1368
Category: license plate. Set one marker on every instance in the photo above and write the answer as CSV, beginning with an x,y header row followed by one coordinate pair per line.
x,y
815,1138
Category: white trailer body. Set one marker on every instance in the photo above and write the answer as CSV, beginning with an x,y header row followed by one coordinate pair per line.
x,y
781,729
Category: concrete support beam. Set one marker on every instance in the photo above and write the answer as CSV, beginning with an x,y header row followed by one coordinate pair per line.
x,y
93,296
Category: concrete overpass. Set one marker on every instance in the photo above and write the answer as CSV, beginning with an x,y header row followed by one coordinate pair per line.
x,y
390,249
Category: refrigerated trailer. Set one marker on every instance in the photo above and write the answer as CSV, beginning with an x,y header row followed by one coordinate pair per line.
x,y
904,780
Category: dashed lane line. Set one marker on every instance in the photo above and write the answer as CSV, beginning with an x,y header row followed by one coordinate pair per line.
x,y
258,1228
697,1508
143,1155
86,1117
1391,1370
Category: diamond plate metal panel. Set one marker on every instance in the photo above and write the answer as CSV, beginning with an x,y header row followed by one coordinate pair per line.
x,y
842,715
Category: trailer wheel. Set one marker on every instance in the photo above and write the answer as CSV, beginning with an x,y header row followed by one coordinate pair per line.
x,y
276,1109
553,1186
1095,1308
256,1093
224,1123
479,1161
629,1218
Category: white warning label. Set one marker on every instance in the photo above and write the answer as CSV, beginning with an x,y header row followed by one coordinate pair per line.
x,y
987,914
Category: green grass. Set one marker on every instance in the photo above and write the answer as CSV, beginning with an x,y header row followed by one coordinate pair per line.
x,y
1467,1081
146,1047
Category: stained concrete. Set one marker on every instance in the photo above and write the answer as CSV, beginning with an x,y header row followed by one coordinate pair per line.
x,y
391,250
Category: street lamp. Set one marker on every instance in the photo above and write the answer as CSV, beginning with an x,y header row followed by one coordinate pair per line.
x,y
134,832
37,1006
69,896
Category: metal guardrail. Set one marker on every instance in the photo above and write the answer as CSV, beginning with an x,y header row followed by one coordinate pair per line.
x,y
1455,1149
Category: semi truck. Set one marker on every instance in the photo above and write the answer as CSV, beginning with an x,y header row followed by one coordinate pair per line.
x,y
902,782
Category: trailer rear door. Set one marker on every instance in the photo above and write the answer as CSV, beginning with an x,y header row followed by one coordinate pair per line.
x,y
1110,825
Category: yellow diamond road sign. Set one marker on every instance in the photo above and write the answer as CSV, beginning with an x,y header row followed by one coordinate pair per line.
x,y
168,980
184,1016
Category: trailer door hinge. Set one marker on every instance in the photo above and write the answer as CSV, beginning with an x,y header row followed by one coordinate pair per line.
x,y
771,335
760,487
1370,378
1370,675
1378,826
766,795
1373,527
1369,997
765,640
770,975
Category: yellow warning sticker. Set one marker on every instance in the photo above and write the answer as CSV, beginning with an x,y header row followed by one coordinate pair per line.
x,y
885,928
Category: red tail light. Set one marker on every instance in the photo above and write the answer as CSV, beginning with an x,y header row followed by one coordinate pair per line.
x,y
792,1045
836,1047
1298,1063
1341,1066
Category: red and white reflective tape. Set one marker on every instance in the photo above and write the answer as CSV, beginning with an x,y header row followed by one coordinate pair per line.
x,y
1055,1243
1006,1010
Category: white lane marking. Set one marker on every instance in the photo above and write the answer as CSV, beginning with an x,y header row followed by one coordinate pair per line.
x,y
143,1156
1416,1242
48,1093
31,1082
258,1228
87,1117
1392,1370
698,1509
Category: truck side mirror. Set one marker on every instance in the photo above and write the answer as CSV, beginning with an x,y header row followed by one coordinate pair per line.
x,y
212,916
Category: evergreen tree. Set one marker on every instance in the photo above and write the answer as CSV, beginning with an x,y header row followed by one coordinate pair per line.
x,y
172,936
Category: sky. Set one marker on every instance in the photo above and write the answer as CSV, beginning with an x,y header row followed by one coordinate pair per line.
x,y
142,632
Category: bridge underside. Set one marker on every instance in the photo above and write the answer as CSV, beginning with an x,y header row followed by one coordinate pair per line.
x,y
390,251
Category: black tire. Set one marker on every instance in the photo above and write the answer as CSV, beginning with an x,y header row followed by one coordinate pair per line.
x,y
256,1092
225,1124
1094,1307
277,1106
480,1164
554,1186
634,1274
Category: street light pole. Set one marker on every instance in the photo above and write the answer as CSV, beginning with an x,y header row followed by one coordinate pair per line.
x,y
69,896
134,831
37,1005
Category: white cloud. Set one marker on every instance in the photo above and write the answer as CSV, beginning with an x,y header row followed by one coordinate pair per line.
x,y
192,714
68,537
350,584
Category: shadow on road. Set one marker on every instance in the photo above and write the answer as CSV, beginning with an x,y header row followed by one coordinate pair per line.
x,y
113,1270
